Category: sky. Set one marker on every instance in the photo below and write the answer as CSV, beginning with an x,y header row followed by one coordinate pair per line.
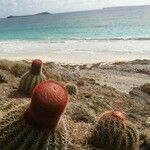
x,y
26,7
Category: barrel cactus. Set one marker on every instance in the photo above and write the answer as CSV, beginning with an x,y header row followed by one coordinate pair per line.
x,y
37,125
32,78
72,88
114,132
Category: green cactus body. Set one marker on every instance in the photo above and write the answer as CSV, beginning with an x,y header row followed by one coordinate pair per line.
x,y
32,78
29,81
115,133
17,134
72,89
37,124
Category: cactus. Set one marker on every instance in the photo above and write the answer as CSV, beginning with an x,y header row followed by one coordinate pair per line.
x,y
32,78
72,89
37,125
114,132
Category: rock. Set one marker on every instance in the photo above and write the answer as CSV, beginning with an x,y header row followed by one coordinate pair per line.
x,y
143,134
92,81
82,67
145,139
51,73
81,82
80,113
135,92
95,65
87,95
148,120
145,88
4,77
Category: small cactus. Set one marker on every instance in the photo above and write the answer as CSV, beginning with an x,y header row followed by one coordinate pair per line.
x,y
114,132
72,89
36,125
32,78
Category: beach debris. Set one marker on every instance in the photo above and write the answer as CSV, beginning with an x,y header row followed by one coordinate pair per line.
x,y
37,124
114,132
18,69
72,89
32,78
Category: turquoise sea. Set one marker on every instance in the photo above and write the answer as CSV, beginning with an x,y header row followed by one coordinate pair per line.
x,y
110,34
109,23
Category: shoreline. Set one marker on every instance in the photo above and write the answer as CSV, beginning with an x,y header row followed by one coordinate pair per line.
x,y
76,51
73,61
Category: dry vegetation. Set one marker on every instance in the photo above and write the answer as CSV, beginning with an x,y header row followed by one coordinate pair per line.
x,y
84,109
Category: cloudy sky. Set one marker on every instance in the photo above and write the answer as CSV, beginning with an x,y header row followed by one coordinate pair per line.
x,y
22,7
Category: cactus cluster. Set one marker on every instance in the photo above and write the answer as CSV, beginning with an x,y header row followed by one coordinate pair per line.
x,y
72,89
114,132
36,125
32,78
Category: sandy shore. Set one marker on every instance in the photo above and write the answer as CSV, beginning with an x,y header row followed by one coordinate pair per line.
x,y
76,51
104,86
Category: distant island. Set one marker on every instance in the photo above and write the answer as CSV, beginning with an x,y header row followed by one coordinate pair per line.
x,y
42,13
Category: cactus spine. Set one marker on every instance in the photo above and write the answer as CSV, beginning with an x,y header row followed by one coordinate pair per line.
x,y
32,78
72,89
28,127
114,132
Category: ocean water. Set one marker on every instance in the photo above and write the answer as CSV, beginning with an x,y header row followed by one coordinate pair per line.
x,y
119,30
127,22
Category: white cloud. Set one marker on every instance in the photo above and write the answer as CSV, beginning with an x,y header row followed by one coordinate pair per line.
x,y
9,3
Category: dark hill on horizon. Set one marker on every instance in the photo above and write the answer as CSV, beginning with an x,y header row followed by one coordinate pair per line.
x,y
42,13
116,8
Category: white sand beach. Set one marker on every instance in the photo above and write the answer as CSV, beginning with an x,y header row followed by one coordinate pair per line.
x,y
76,51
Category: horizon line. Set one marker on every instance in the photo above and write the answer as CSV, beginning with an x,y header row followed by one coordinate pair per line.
x,y
76,11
